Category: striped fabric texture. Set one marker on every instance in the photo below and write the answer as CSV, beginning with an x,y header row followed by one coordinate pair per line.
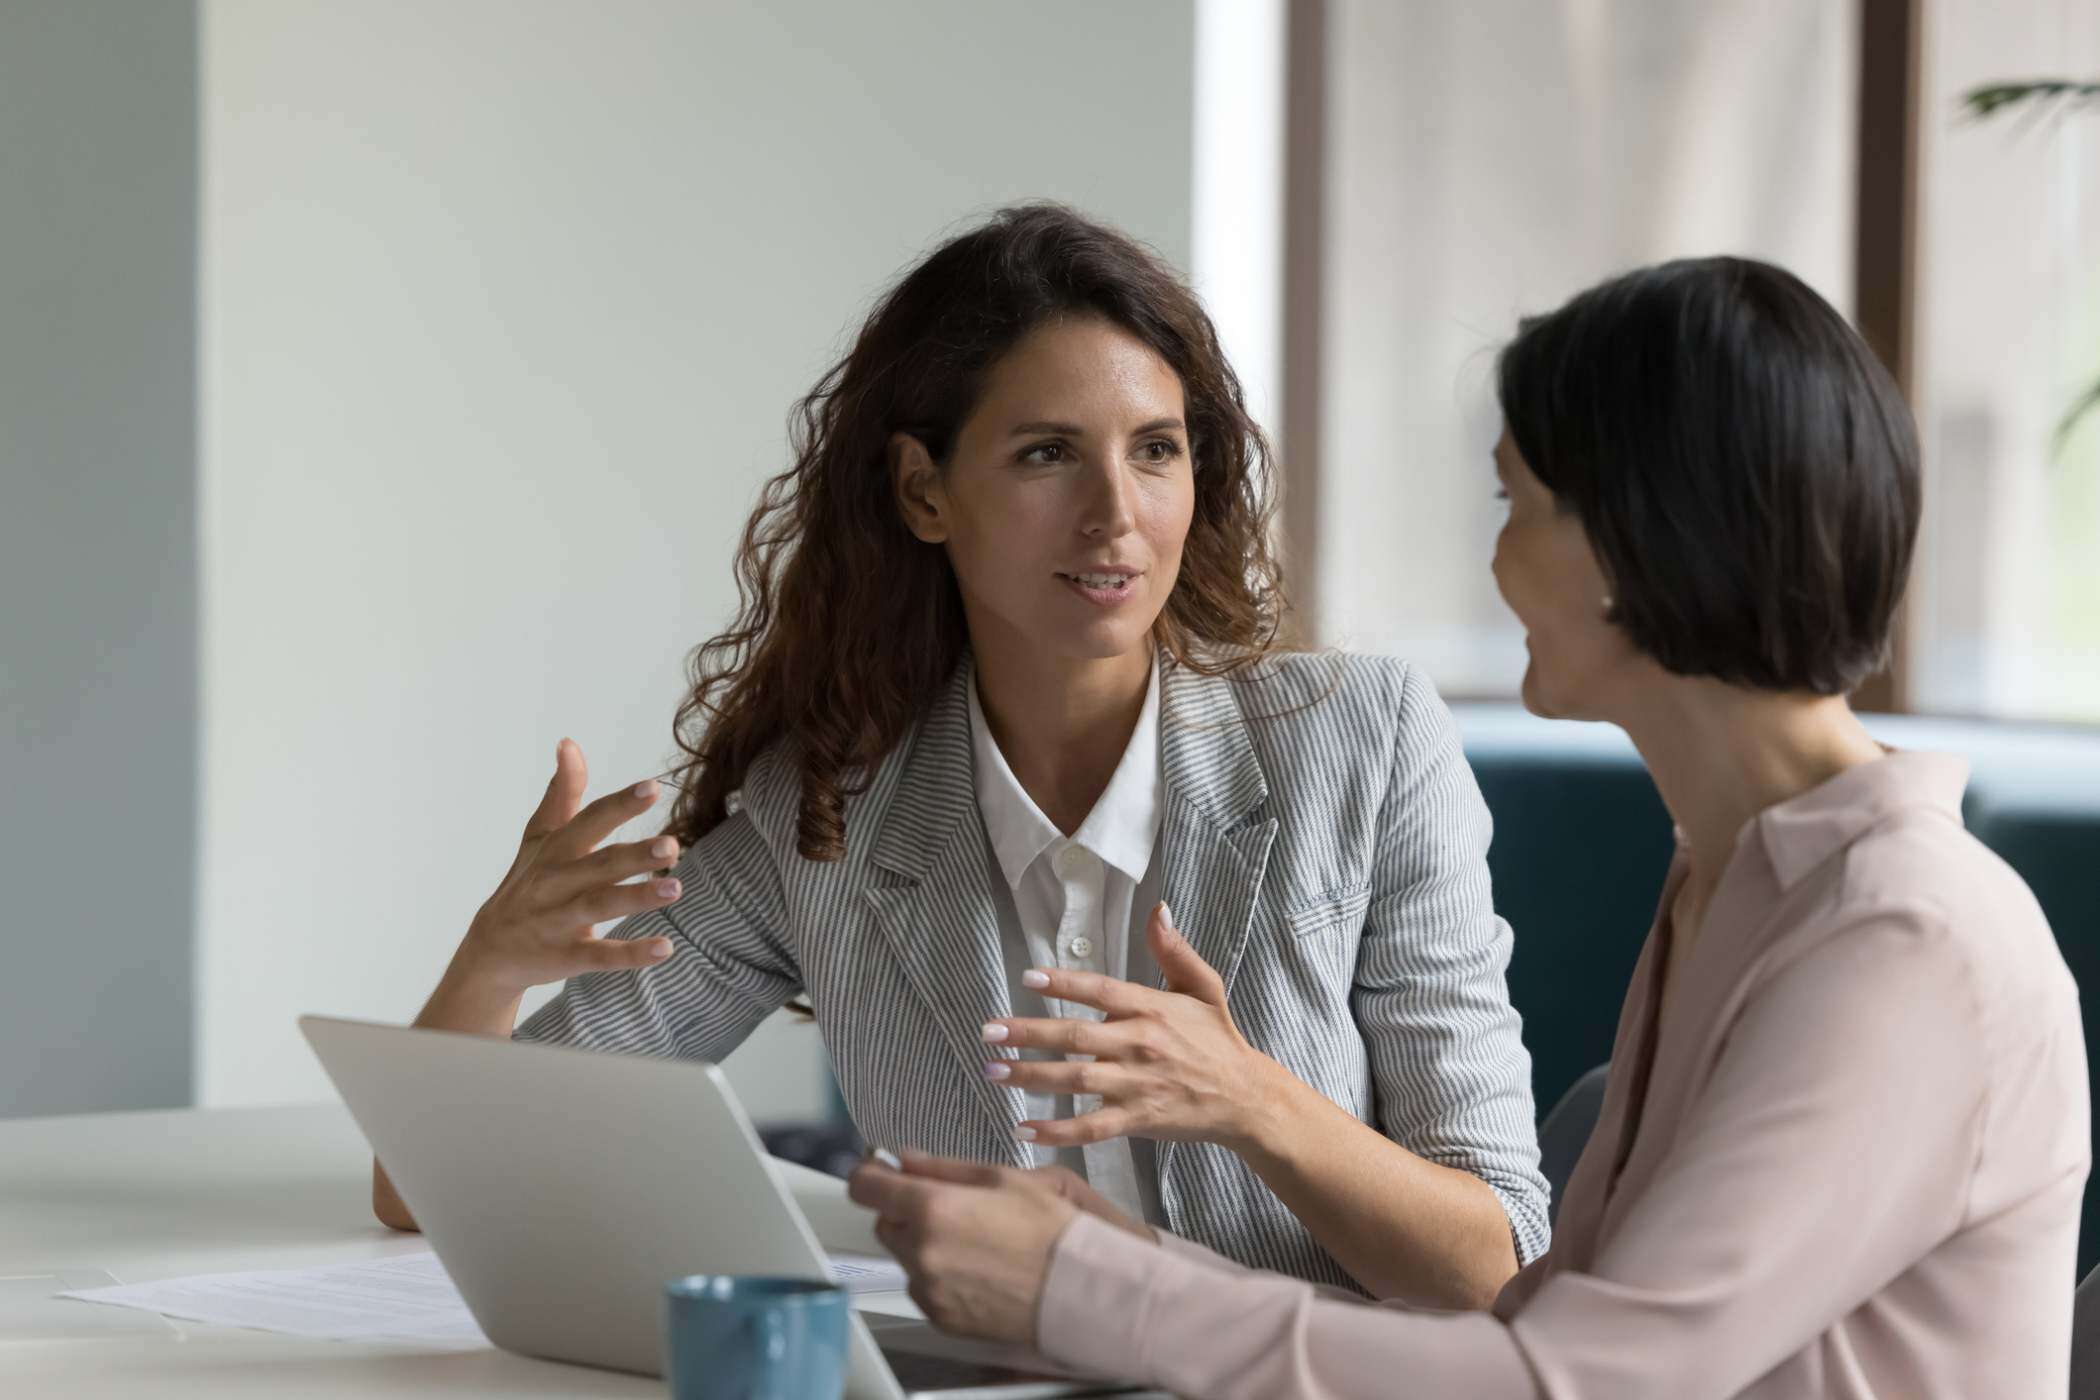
x,y
1324,848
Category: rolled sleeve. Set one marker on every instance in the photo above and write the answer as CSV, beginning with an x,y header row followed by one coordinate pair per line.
x,y
1452,1076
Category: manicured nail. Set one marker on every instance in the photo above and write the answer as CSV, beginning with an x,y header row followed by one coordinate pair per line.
x,y
660,951
1024,1133
645,789
663,846
1166,916
887,1158
993,1032
998,1069
668,889
1035,977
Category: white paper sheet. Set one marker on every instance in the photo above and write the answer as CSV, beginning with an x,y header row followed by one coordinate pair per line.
x,y
405,1297
867,1273
32,1309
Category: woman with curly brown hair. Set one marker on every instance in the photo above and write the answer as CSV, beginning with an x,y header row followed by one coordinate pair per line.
x,y
1004,688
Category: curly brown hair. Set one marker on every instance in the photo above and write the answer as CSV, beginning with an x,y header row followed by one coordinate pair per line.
x,y
848,625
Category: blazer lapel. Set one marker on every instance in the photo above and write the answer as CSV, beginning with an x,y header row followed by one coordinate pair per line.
x,y
1213,839
1214,848
939,919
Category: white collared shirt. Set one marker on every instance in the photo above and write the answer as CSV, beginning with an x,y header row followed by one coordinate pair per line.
x,y
1079,902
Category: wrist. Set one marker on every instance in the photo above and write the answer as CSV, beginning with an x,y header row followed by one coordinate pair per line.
x,y
1268,1109
472,995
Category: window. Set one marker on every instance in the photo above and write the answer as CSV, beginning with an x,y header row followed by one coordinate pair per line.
x,y
2005,597
1485,162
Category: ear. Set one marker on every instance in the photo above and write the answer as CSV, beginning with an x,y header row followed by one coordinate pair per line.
x,y
916,482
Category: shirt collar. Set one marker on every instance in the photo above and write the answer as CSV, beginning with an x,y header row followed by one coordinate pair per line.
x,y
1803,832
1121,829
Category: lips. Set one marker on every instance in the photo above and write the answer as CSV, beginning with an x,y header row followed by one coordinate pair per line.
x,y
1105,587
1101,578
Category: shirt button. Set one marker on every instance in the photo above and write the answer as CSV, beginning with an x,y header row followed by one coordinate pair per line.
x,y
1071,860
1081,947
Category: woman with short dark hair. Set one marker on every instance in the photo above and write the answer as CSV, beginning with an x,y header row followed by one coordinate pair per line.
x,y
1845,1136
1743,468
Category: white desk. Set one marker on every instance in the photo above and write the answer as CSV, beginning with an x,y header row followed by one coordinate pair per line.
x,y
196,1191
156,1195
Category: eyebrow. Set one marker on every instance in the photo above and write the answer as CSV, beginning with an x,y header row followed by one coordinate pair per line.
x,y
1157,425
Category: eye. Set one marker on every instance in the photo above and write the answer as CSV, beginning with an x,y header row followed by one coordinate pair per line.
x,y
1160,450
1047,454
1500,494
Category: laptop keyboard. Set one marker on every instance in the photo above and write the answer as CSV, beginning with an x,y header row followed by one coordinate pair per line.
x,y
917,1371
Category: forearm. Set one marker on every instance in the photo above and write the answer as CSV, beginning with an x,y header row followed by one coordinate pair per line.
x,y
1403,1227
466,1002
1114,1306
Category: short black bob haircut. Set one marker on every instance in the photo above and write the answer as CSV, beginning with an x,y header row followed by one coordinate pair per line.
x,y
1742,465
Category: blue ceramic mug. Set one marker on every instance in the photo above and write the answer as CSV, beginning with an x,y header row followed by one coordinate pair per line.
x,y
730,1337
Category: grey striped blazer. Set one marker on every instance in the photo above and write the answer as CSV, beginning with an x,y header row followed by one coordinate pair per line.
x,y
1325,850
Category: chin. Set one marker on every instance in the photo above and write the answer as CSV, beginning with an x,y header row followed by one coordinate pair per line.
x,y
1106,643
1545,700
1533,694
1102,640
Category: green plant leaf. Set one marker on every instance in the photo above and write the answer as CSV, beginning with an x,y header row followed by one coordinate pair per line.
x,y
1991,98
2084,404
1988,100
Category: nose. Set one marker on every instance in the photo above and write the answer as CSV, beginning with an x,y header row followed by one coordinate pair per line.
x,y
1109,511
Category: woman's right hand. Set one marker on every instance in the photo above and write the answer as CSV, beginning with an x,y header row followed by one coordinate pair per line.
x,y
537,926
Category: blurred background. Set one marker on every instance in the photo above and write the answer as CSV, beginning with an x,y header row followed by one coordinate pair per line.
x,y
382,387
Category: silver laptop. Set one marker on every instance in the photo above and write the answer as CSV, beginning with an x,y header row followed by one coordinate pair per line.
x,y
562,1188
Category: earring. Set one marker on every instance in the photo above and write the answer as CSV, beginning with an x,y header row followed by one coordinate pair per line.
x,y
1607,605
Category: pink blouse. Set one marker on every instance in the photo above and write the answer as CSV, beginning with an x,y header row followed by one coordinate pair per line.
x,y
1846,1161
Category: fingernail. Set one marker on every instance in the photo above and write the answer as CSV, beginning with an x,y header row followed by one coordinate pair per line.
x,y
660,951
668,889
993,1032
1035,978
998,1069
1166,916
1024,1133
887,1158
645,789
663,846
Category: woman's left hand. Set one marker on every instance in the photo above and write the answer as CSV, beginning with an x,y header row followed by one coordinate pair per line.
x,y
976,1240
1166,1064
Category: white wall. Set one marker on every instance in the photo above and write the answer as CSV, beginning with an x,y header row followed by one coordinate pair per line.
x,y
98,559
502,310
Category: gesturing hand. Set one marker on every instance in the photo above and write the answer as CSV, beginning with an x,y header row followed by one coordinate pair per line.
x,y
536,927
1165,1064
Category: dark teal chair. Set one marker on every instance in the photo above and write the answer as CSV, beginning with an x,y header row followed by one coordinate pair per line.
x,y
2085,1340
1565,1131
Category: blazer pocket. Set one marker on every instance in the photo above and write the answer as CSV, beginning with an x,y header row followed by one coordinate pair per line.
x,y
1340,908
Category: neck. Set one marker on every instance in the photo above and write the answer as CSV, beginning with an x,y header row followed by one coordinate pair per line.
x,y
1062,724
1721,754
